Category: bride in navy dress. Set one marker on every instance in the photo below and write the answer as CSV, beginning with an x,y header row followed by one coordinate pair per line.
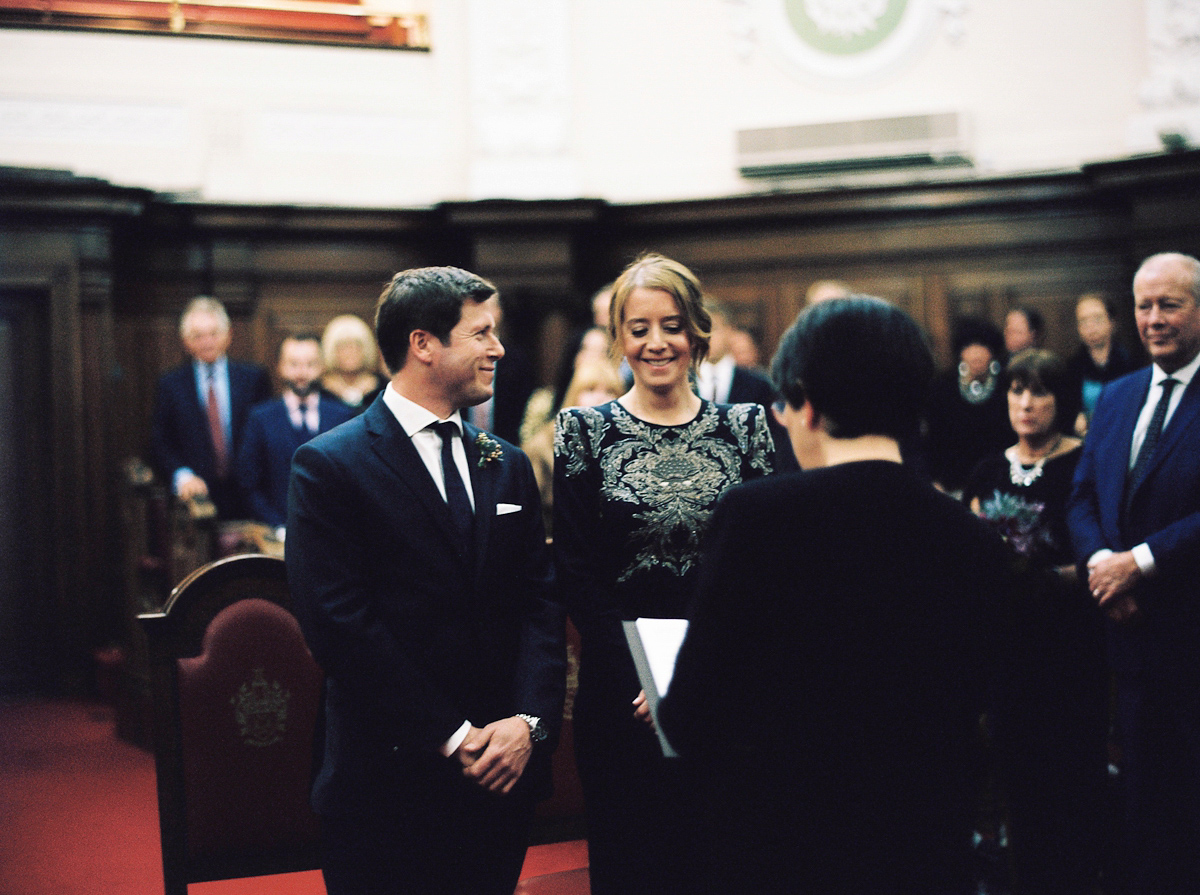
x,y
635,482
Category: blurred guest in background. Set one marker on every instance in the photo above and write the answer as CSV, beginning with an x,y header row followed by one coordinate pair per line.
x,y
720,378
1049,720
967,416
351,362
275,428
1024,327
823,290
1100,358
600,302
200,411
744,348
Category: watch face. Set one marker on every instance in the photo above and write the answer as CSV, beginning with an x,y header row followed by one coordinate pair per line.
x,y
537,731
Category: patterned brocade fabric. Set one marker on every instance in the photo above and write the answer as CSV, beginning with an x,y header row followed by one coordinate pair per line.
x,y
658,485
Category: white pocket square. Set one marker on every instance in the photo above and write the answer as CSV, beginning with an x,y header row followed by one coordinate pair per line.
x,y
503,509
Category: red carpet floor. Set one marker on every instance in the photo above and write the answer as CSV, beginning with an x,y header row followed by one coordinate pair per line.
x,y
78,812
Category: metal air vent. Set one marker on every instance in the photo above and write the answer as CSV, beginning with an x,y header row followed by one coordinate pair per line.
x,y
868,145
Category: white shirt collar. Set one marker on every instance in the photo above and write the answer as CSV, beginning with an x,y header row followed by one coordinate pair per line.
x,y
217,367
715,379
1183,375
411,416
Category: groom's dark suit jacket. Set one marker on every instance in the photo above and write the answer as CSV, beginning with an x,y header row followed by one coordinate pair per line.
x,y
415,637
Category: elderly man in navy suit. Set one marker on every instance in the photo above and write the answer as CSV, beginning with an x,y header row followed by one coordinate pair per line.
x,y
1135,522
200,411
275,428
418,561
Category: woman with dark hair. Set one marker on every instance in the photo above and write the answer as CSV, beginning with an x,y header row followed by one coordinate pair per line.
x,y
831,681
635,481
1050,717
966,418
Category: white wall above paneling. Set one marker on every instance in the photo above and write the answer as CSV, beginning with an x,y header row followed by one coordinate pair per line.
x,y
626,100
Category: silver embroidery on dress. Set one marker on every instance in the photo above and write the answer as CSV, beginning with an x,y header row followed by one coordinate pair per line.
x,y
569,440
674,473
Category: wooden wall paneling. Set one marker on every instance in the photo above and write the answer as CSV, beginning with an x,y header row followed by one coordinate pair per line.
x,y
47,262
145,347
1049,281
29,604
102,541
285,309
329,259
1162,192
934,305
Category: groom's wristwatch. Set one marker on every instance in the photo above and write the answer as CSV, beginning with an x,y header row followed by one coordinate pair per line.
x,y
537,732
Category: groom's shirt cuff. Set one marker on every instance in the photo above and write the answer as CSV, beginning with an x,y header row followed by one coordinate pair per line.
x,y
451,745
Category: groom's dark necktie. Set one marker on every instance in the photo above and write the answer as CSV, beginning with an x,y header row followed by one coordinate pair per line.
x,y
456,491
1150,442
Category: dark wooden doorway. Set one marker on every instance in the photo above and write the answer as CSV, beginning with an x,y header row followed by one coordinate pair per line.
x,y
28,648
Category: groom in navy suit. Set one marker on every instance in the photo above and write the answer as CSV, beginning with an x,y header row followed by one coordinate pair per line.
x,y
1135,522
275,428
418,561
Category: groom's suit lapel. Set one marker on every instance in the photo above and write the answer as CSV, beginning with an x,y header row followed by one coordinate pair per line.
x,y
395,448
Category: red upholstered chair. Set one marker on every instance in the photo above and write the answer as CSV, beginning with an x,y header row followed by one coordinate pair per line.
x,y
565,882
236,700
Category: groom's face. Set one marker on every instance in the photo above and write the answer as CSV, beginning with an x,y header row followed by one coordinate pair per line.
x,y
465,363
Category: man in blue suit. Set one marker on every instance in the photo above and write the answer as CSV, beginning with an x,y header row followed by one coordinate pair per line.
x,y
275,428
1135,522
418,561
200,410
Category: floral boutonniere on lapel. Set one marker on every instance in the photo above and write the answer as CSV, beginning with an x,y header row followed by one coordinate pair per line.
x,y
489,449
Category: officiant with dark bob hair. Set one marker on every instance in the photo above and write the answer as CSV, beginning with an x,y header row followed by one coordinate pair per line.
x,y
830,685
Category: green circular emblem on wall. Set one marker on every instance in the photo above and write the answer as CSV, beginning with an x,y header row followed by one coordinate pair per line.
x,y
847,41
844,27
